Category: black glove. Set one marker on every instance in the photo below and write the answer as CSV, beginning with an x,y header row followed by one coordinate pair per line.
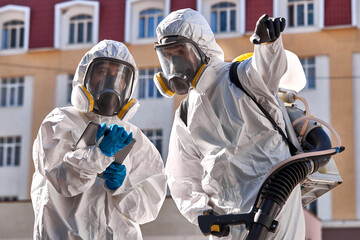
x,y
217,230
267,29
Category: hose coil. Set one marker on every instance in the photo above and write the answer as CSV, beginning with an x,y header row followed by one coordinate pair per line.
x,y
279,186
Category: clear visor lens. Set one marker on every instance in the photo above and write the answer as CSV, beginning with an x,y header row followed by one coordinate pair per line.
x,y
103,75
179,59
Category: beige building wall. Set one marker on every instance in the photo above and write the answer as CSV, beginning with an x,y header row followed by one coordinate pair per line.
x,y
338,44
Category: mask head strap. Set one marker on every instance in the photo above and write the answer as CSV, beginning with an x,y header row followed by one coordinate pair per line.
x,y
173,39
124,110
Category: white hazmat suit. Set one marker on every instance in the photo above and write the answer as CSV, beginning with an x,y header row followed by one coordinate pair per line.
x,y
221,145
69,200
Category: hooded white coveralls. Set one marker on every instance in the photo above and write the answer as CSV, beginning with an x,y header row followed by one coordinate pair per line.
x,y
220,157
69,200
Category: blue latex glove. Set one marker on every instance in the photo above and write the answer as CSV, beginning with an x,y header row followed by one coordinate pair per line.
x,y
115,140
101,131
114,175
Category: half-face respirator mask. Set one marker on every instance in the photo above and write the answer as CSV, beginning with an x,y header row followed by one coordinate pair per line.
x,y
182,62
110,83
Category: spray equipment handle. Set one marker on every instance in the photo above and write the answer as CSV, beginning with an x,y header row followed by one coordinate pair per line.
x,y
272,195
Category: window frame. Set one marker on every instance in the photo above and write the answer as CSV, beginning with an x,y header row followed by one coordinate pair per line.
x,y
13,146
64,12
10,13
146,79
76,21
132,18
281,9
219,10
63,89
9,198
205,7
355,13
155,137
306,66
12,91
147,17
69,88
17,28
295,5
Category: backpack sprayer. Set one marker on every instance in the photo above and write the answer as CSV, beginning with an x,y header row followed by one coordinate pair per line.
x,y
312,166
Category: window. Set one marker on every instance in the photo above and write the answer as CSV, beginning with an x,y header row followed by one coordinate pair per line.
x,y
8,198
63,89
309,69
300,13
312,207
14,29
13,35
142,18
69,87
147,88
10,150
11,92
149,19
223,17
155,136
76,24
80,29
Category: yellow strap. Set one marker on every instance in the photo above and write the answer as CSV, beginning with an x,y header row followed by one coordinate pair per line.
x,y
243,57
89,97
196,78
163,86
125,108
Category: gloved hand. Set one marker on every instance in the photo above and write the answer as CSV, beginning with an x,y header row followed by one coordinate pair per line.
x,y
114,175
217,230
267,29
101,131
115,140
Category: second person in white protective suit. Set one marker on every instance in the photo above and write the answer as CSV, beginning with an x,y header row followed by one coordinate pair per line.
x,y
221,145
81,192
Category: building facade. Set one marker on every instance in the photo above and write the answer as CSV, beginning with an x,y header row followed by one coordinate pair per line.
x,y
42,43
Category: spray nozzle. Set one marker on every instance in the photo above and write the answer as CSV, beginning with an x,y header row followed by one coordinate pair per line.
x,y
288,96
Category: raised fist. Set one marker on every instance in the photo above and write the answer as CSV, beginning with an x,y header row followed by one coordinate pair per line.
x,y
267,29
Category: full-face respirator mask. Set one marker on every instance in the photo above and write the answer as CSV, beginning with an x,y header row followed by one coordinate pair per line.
x,y
110,83
182,62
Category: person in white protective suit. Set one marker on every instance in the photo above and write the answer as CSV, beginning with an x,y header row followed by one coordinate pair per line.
x,y
221,145
82,193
